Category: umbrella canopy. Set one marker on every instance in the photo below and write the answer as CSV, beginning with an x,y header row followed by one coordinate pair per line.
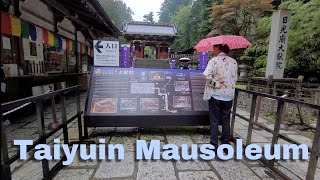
x,y
234,42
184,59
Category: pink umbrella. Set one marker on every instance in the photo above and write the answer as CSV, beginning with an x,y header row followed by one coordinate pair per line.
x,y
234,42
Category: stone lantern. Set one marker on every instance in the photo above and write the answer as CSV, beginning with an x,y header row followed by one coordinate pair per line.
x,y
243,69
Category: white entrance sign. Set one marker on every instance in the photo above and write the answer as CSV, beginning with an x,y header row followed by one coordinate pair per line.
x,y
278,43
106,53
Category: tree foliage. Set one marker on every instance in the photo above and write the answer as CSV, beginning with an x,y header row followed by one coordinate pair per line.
x,y
238,17
197,19
117,10
199,24
148,17
193,22
257,54
303,44
303,56
149,52
180,20
170,7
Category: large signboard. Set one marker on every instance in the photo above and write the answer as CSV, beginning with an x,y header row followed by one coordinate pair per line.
x,y
106,53
141,96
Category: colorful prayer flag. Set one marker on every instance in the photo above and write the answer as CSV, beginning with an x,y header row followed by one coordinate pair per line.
x,y
51,38
83,47
68,45
16,26
56,43
25,29
73,46
59,43
45,36
33,32
73,43
6,24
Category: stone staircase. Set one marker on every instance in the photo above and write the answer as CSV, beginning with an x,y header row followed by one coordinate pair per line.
x,y
153,63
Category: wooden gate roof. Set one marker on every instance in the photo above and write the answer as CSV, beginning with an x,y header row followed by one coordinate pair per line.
x,y
134,30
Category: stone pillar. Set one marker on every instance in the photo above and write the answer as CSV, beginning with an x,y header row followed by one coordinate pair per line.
x,y
278,43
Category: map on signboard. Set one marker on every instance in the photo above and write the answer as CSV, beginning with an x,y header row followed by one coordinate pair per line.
x,y
139,91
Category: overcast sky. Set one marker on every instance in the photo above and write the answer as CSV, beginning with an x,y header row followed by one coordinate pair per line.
x,y
142,7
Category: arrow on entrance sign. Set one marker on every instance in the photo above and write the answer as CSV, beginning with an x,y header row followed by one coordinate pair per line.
x,y
98,46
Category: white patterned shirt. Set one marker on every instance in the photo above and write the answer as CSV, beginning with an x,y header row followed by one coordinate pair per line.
x,y
221,68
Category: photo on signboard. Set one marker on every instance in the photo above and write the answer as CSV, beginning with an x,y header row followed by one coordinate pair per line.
x,y
104,105
157,76
181,101
181,86
98,71
149,104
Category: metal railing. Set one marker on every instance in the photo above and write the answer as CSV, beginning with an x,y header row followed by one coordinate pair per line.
x,y
315,149
43,136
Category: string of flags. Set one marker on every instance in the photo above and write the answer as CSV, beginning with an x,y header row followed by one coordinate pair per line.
x,y
11,25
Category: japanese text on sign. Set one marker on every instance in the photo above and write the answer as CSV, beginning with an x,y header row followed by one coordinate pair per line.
x,y
106,53
282,40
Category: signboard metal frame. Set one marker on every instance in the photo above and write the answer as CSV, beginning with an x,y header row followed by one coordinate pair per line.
x,y
192,118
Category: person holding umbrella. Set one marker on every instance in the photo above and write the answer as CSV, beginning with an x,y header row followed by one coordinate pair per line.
x,y
221,74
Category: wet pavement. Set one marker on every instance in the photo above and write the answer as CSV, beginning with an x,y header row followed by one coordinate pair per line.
x,y
129,168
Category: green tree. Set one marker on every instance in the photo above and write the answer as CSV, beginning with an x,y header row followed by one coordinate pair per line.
x,y
303,44
256,55
199,24
180,20
148,17
193,23
303,55
170,7
117,10
239,17
149,52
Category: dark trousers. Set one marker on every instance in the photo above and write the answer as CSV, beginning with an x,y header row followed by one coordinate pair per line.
x,y
219,111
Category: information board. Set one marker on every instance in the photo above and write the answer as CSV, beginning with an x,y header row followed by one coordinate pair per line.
x,y
145,97
106,53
